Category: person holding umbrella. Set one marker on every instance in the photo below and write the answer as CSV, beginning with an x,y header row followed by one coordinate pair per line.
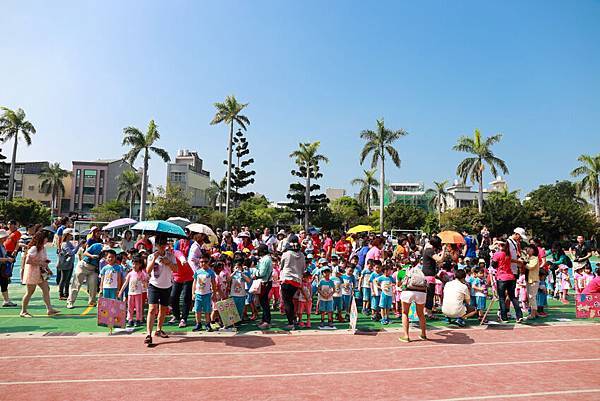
x,y
160,268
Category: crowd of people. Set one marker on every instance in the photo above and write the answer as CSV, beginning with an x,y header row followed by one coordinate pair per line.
x,y
305,275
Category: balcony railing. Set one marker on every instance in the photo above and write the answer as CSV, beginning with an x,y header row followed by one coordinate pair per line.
x,y
89,199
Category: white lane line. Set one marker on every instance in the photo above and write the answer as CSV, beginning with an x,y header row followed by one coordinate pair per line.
x,y
299,374
309,351
544,393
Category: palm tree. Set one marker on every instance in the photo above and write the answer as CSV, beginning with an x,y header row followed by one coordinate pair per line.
x,y
472,167
307,157
52,183
13,123
130,188
228,112
368,189
217,192
439,196
144,143
381,143
590,183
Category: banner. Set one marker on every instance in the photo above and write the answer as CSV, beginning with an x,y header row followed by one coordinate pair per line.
x,y
587,306
111,313
228,312
353,315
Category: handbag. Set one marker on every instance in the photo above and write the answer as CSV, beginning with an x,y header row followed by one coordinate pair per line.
x,y
256,287
65,261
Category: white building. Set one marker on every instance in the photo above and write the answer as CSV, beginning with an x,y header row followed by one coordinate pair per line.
x,y
187,172
334,193
463,195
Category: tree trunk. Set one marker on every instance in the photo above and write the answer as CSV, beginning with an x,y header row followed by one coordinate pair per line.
x,y
439,209
13,162
369,202
144,191
229,152
480,195
131,203
598,204
381,193
306,198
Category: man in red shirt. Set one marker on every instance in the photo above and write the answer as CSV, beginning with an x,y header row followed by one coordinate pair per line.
x,y
342,248
11,243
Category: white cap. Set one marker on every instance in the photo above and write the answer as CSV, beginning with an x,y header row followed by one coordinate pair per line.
x,y
521,231
69,231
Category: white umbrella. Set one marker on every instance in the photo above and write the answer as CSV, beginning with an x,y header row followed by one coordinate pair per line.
x,y
203,229
180,221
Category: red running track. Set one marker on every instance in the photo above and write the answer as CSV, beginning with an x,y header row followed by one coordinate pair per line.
x,y
559,363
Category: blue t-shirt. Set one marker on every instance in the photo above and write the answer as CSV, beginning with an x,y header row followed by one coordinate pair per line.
x,y
362,254
386,284
470,280
327,287
337,286
348,284
374,286
110,276
93,249
470,242
204,281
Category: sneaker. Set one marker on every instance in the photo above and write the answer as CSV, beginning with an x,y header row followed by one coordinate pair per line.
x,y
542,314
520,320
502,321
289,327
148,340
173,320
182,323
330,325
322,325
8,304
209,328
137,323
70,305
130,323
197,327
460,322
264,326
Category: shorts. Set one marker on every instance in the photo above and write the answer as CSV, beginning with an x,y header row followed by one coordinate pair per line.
x,y
385,301
337,304
249,299
473,302
203,303
346,301
480,302
304,307
239,304
417,297
366,293
109,293
357,293
453,313
161,296
326,306
375,302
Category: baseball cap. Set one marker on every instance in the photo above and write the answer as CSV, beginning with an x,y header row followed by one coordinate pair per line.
x,y
521,231
323,260
309,256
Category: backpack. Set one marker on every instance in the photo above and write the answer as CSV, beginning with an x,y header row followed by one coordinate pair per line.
x,y
415,280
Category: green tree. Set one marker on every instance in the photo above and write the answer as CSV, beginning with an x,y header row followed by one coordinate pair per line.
x,y
228,113
4,169
590,183
503,211
347,210
379,144
241,176
431,224
368,189
307,159
145,144
25,211
130,188
461,219
408,217
52,184
109,210
439,197
13,125
472,167
557,212
171,201
325,219
217,192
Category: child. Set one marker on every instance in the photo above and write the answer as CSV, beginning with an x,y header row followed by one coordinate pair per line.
x,y
275,293
366,287
304,302
249,270
135,282
237,291
587,275
480,288
375,293
400,274
542,295
348,285
110,275
337,293
385,282
578,281
325,291
521,292
204,284
565,283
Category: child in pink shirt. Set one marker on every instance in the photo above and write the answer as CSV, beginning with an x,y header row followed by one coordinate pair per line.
x,y
275,293
136,280
304,304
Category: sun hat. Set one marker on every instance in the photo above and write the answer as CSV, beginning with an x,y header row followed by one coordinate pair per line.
x,y
521,231
323,260
309,256
281,232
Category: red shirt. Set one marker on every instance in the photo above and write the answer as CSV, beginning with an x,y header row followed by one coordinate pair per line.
x,y
342,248
184,272
11,242
503,272
316,243
145,243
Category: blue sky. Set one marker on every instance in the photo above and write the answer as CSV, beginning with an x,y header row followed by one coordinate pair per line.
x,y
311,70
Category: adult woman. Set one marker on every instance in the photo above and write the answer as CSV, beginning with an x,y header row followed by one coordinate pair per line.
x,y
533,277
265,273
127,243
183,279
558,258
293,265
160,268
505,282
375,252
414,290
36,273
144,243
432,258
66,262
228,244
6,262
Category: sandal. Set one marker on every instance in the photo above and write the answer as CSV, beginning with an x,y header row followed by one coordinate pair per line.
x,y
424,338
53,312
161,334
148,339
404,339
25,314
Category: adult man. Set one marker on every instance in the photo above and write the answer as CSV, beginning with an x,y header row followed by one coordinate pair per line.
x,y
269,240
470,248
11,244
456,299
582,252
86,270
514,248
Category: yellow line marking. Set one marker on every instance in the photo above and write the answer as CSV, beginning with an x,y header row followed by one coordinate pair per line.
x,y
86,311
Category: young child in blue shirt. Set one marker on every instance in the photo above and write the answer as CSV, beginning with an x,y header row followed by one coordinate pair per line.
x,y
237,287
348,286
205,286
325,291
385,282
365,285
479,289
542,294
111,275
375,290
338,305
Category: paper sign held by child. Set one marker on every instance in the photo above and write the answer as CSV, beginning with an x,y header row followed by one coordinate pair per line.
x,y
353,315
111,313
228,312
587,306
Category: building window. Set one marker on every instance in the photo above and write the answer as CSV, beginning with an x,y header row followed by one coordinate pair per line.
x,y
18,186
177,177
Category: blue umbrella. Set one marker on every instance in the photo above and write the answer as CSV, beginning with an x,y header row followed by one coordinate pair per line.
x,y
314,230
49,228
160,227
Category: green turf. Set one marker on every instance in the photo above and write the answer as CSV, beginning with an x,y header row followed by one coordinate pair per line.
x,y
70,321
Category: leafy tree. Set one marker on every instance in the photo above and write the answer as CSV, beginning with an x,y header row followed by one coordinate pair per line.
x,y
379,144
256,213
503,211
145,144
52,183
461,219
326,219
368,189
12,126
25,211
130,188
472,167
171,201
241,177
109,210
557,212
347,210
217,192
398,215
210,217
307,159
228,113
431,224
590,183
438,196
